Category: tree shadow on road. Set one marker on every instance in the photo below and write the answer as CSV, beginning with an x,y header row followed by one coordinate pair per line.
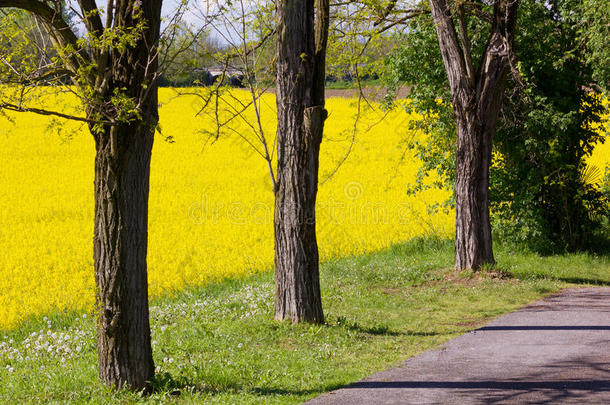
x,y
543,327
581,380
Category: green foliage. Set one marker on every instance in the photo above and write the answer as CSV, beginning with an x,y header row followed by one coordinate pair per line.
x,y
359,39
595,30
605,187
24,47
43,58
542,194
418,64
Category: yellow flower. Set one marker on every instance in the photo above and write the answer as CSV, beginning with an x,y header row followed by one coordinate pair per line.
x,y
211,203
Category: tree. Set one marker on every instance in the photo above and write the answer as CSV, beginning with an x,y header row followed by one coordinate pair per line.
x,y
301,53
301,33
114,70
593,16
302,42
544,194
476,91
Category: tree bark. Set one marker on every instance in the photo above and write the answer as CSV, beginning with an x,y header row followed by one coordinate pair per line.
x,y
297,285
473,242
122,169
476,99
122,172
301,54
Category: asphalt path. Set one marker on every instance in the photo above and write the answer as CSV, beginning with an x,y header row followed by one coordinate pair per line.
x,y
554,351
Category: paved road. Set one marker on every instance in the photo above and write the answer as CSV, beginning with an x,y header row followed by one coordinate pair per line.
x,y
556,350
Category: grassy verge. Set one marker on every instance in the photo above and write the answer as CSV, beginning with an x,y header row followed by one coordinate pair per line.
x,y
219,343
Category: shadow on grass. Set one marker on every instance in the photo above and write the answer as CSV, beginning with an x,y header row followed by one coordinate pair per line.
x,y
580,280
165,383
571,280
384,330
262,391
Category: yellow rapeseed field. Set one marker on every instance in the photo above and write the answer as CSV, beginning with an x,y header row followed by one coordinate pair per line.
x,y
211,204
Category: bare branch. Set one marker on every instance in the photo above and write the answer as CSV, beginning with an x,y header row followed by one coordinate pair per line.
x,y
42,111
51,16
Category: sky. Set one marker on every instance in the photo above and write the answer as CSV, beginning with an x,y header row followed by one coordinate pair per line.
x,y
190,17
169,6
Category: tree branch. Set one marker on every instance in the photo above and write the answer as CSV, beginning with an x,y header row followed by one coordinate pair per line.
x,y
465,41
48,14
41,111
499,46
453,56
91,17
60,32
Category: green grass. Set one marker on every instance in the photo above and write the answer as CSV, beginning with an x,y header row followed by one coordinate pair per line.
x,y
219,344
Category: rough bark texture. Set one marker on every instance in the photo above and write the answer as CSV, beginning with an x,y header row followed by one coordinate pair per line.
x,y
473,242
301,53
120,245
122,171
476,98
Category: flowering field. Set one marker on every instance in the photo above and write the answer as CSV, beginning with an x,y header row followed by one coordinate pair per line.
x,y
211,204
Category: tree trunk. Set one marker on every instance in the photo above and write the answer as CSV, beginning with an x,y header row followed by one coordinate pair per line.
x,y
122,168
473,243
476,97
297,291
300,125
122,172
